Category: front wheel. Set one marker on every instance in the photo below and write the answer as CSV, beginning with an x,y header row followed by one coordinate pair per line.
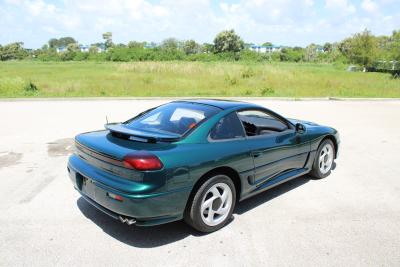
x,y
324,160
212,205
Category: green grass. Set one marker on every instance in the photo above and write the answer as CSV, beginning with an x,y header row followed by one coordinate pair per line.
x,y
178,78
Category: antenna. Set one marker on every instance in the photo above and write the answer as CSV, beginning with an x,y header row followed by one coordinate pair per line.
x,y
106,119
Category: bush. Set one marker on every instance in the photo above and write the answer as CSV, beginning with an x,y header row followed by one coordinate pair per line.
x,y
48,55
67,56
248,73
125,54
231,80
252,56
248,92
99,56
80,56
204,57
227,56
292,55
30,87
267,91
13,51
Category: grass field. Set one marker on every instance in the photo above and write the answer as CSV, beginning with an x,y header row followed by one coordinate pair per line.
x,y
80,79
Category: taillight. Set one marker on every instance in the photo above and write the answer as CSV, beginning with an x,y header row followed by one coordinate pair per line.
x,y
142,161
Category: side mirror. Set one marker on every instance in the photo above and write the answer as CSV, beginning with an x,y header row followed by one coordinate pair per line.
x,y
300,128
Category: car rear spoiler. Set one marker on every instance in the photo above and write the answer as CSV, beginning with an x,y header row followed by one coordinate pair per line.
x,y
120,130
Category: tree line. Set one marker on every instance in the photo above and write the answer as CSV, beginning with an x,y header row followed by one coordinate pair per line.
x,y
363,49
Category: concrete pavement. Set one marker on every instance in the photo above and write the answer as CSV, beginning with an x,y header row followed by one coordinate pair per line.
x,y
351,218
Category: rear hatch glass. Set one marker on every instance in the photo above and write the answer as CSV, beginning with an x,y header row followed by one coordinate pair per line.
x,y
167,122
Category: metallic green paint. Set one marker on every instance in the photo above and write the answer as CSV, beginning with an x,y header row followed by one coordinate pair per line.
x,y
154,197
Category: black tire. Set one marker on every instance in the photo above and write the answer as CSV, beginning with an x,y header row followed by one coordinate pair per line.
x,y
316,172
193,215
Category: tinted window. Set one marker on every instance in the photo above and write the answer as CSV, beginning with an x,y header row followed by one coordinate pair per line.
x,y
256,122
227,128
175,118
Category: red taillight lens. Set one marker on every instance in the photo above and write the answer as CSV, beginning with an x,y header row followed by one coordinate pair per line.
x,y
142,161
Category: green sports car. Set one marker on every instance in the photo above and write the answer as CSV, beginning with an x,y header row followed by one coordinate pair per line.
x,y
194,160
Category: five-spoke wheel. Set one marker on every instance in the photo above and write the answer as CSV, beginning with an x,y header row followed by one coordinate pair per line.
x,y
212,205
324,159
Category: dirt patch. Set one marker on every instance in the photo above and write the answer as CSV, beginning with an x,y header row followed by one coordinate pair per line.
x,y
61,147
8,159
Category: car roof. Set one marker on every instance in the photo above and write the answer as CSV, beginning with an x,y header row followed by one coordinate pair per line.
x,y
219,103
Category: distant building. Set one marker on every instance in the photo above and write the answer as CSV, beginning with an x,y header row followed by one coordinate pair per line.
x,y
84,48
150,45
61,49
100,47
319,49
265,48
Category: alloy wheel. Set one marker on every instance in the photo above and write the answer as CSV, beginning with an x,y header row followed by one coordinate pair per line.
x,y
325,158
216,204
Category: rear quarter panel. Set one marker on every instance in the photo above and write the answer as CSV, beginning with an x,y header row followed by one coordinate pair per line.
x,y
191,161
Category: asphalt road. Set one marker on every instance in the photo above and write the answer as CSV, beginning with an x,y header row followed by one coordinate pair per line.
x,y
351,218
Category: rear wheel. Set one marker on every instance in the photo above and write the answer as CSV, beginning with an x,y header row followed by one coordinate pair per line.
x,y
212,205
324,159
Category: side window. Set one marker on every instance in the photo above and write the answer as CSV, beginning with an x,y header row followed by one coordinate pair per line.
x,y
227,128
257,122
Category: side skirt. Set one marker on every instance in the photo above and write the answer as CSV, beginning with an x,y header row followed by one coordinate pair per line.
x,y
284,177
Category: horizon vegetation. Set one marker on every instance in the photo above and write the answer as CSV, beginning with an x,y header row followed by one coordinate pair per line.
x,y
225,68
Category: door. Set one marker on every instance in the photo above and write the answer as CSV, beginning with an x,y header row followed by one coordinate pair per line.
x,y
274,144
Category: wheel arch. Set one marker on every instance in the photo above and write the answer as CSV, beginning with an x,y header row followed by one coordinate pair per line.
x,y
228,171
334,141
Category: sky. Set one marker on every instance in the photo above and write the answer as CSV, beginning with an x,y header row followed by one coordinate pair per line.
x,y
282,22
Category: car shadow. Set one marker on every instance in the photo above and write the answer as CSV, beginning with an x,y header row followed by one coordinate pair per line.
x,y
156,236
142,237
270,194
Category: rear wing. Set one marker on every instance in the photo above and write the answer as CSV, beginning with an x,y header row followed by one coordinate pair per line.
x,y
121,131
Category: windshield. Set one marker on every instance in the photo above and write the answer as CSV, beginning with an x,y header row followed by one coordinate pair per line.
x,y
173,118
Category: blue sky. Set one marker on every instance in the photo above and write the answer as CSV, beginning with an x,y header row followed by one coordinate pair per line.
x,y
285,22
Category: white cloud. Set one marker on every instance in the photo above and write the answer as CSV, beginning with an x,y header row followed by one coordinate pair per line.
x,y
369,6
39,7
50,29
287,22
229,8
309,2
341,6
14,2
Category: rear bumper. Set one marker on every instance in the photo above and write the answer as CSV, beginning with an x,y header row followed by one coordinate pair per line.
x,y
139,202
110,213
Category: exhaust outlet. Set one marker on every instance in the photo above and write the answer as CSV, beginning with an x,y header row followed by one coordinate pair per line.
x,y
127,220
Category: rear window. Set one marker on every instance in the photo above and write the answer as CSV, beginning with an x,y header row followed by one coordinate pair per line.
x,y
176,118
